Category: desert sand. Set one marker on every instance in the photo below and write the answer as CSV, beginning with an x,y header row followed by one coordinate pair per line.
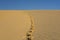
x,y
14,25
47,24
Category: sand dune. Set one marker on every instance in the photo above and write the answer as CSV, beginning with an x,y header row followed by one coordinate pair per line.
x,y
13,25
47,23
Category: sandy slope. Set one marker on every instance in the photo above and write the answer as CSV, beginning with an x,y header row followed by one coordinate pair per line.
x,y
13,25
47,23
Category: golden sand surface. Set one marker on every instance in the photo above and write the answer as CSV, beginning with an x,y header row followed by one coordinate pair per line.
x,y
47,24
14,25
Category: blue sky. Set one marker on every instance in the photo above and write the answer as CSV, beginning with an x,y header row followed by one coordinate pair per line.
x,y
29,4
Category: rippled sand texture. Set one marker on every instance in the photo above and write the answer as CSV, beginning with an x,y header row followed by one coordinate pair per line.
x,y
47,25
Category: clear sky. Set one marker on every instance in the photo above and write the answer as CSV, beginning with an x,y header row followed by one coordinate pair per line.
x,y
29,4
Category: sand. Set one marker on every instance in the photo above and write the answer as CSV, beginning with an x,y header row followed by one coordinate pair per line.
x,y
47,23
14,25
